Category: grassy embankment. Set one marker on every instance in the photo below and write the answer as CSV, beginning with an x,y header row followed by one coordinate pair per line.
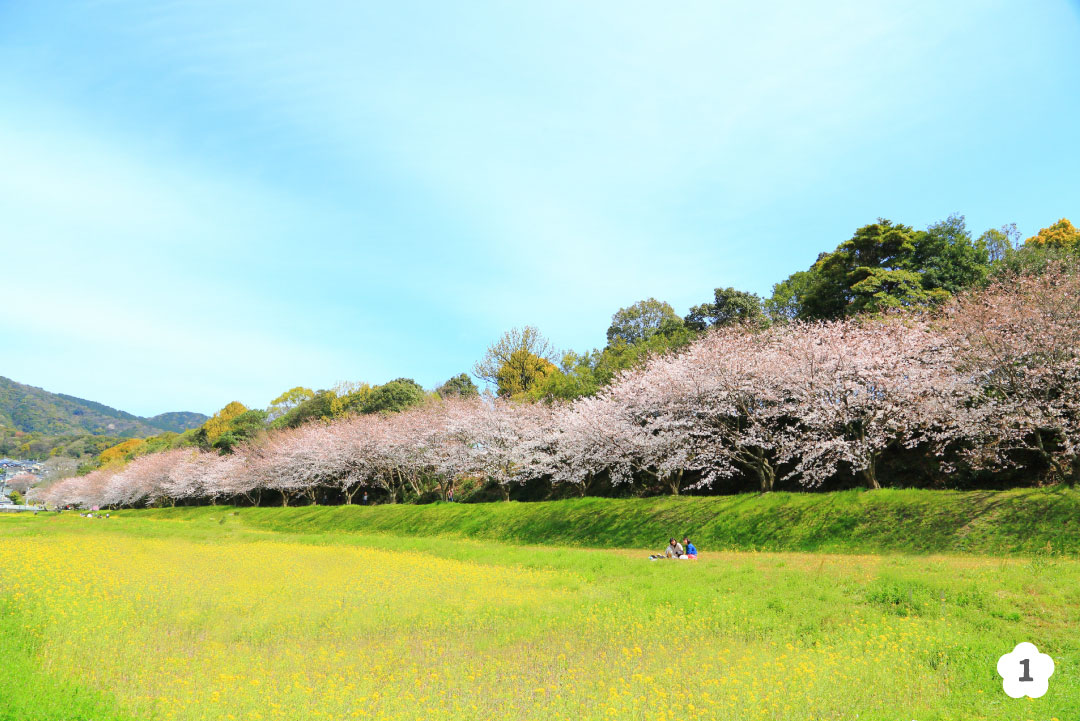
x,y
1013,522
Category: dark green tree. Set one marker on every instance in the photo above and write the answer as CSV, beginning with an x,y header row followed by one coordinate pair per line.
x,y
884,265
729,307
397,395
788,299
947,258
870,272
243,427
642,320
320,406
460,386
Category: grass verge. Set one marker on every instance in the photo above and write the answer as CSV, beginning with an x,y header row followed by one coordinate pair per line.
x,y
1017,522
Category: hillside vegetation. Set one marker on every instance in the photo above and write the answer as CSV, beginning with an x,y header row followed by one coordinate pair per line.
x,y
1025,521
177,421
33,410
35,423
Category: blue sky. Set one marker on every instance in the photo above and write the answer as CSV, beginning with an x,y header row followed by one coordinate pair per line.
x,y
218,200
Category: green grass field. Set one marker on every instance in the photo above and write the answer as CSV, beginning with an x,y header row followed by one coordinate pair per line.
x,y
343,613
1022,521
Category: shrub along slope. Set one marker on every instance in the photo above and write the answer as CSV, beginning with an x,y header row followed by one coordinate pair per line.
x,y
1024,521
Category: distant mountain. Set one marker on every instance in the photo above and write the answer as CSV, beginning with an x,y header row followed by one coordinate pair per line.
x,y
177,421
31,409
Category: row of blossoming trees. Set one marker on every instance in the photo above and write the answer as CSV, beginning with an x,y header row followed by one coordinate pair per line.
x,y
990,385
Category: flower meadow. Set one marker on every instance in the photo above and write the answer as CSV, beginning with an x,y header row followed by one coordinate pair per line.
x,y
208,619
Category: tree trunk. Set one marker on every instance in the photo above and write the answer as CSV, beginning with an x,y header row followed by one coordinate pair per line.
x,y
1053,471
869,475
675,481
349,495
586,484
767,477
765,472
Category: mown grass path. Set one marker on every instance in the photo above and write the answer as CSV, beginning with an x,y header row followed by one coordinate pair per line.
x,y
204,617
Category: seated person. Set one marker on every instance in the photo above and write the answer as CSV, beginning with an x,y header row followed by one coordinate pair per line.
x,y
673,549
691,550
669,552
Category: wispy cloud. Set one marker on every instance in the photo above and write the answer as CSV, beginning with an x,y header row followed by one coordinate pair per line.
x,y
365,191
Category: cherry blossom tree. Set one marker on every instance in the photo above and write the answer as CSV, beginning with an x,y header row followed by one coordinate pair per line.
x,y
858,388
142,481
183,480
297,461
512,442
364,439
1019,340
623,430
80,491
209,475
999,374
21,483
230,475
394,459
589,438
448,433
720,403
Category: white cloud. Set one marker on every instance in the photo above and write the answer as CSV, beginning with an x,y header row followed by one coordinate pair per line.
x,y
377,187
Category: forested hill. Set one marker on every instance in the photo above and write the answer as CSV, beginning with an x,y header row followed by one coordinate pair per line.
x,y
177,421
33,410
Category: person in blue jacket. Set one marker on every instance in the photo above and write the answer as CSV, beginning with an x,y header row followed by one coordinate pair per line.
x,y
691,549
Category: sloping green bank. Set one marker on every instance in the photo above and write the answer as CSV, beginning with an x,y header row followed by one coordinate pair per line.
x,y
1023,521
